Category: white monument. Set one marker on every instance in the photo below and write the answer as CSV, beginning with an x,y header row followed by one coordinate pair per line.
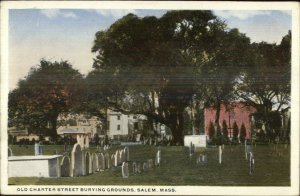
x,y
197,140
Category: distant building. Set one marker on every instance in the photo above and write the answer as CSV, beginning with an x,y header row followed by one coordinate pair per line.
x,y
237,112
22,134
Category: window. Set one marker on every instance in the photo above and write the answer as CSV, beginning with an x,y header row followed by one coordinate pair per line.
x,y
119,127
119,117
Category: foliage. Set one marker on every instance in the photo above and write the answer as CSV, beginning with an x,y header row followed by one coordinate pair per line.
x,y
242,133
225,129
48,90
235,132
211,130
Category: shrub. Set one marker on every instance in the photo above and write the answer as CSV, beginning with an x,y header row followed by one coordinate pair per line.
x,y
242,133
235,132
211,130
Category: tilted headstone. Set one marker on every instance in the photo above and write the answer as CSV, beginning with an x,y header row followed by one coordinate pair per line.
x,y
95,161
145,166
101,162
220,154
107,161
10,153
125,170
65,167
248,150
134,168
158,158
76,161
126,150
202,159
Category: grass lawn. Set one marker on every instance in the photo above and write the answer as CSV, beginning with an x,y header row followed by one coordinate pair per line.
x,y
178,169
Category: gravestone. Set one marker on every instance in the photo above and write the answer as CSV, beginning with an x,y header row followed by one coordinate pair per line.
x,y
134,168
158,158
150,163
10,153
122,156
38,149
202,159
125,170
113,160
107,161
220,154
117,157
251,163
145,166
65,167
95,162
139,170
87,163
101,162
126,150
76,161
248,150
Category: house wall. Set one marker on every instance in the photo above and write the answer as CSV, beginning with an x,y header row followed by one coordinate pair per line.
x,y
114,122
238,112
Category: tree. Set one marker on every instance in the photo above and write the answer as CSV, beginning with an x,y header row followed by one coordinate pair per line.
x,y
155,63
225,129
211,130
47,91
235,132
242,133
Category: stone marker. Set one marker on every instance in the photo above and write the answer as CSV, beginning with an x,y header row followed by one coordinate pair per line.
x,y
158,158
145,166
107,161
248,150
101,162
125,170
117,158
150,163
134,168
251,163
113,160
202,159
65,167
122,156
76,161
220,154
95,162
38,149
139,168
87,158
10,153
126,150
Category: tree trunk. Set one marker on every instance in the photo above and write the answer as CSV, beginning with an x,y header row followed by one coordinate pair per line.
x,y
176,126
218,109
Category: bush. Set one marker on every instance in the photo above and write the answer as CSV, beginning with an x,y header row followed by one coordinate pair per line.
x,y
235,132
242,133
211,130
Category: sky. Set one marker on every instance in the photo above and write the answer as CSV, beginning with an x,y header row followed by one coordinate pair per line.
x,y
68,34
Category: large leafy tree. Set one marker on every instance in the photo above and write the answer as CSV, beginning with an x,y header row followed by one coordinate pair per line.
x,y
48,90
154,65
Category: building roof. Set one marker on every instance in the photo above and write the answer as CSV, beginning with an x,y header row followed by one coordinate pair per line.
x,y
71,131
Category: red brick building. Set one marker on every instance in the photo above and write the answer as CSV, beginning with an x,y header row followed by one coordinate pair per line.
x,y
234,112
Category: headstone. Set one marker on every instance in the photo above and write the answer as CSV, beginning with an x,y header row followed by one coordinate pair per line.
x,y
107,161
101,162
158,158
65,167
95,163
145,166
139,170
10,153
37,149
220,154
150,163
117,158
113,160
202,159
251,163
125,170
126,150
134,168
87,163
248,150
122,156
76,161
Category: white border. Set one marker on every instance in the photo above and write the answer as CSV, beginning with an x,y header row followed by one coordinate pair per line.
x,y
180,190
